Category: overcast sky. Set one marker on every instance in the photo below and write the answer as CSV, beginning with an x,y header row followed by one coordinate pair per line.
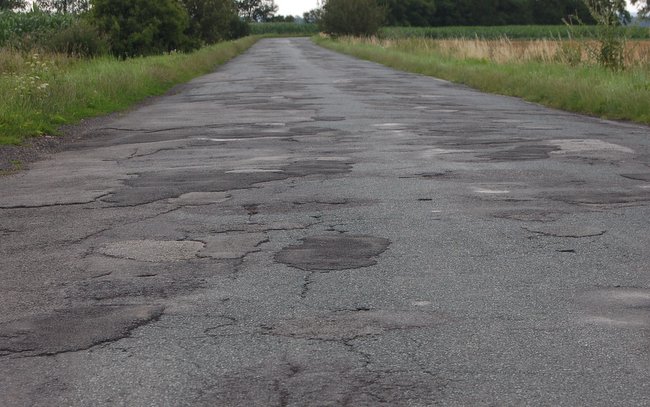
x,y
295,7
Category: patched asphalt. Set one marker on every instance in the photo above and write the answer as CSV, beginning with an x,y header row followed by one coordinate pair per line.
x,y
304,228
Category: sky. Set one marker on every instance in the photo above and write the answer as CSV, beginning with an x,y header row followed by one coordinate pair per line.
x,y
295,7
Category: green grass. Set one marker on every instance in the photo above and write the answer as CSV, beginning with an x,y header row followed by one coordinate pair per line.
x,y
512,32
584,89
284,29
43,96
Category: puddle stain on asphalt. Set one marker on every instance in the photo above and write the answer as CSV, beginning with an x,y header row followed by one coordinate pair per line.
x,y
74,329
327,253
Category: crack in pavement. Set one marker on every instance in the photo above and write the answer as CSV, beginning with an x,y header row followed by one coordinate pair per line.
x,y
24,206
570,235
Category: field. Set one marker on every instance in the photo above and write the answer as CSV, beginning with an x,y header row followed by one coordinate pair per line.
x,y
23,30
289,29
560,74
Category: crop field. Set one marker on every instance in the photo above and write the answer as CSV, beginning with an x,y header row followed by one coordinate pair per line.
x,y
513,32
284,29
24,29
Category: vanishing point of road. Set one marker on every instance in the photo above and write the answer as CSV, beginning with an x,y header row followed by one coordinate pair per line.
x,y
301,228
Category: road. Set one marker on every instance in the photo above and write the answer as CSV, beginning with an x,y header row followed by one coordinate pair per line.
x,y
304,228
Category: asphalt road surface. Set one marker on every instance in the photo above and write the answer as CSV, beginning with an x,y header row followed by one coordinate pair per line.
x,y
301,228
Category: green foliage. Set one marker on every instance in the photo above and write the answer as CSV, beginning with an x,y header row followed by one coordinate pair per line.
x,y
611,39
417,13
95,86
25,30
211,20
142,27
313,16
11,4
352,17
257,10
64,6
79,39
284,29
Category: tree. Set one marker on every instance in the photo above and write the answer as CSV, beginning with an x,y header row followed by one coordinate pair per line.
x,y
142,27
257,10
352,17
211,20
11,4
313,16
64,6
410,12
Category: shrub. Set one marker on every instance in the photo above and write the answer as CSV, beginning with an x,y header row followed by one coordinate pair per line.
x,y
80,38
360,18
142,27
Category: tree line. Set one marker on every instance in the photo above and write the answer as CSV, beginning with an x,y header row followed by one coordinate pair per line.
x,y
144,27
484,12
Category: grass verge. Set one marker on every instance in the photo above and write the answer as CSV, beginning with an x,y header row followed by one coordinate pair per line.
x,y
44,96
582,89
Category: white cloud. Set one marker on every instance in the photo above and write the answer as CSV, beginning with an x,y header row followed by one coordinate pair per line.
x,y
295,7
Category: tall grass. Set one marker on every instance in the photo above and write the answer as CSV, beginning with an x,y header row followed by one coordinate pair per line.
x,y
583,88
526,32
41,92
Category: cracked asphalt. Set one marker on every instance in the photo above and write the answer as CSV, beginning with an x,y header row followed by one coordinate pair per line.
x,y
304,228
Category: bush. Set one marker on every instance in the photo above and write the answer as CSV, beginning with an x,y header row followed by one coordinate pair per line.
x,y
81,39
360,18
238,28
210,20
142,27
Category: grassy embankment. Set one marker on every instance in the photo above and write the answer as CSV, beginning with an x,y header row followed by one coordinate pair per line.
x,y
559,74
40,92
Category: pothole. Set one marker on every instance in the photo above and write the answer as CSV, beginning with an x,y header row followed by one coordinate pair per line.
x,y
157,251
340,252
618,307
566,231
74,329
348,325
577,146
529,215
201,198
521,153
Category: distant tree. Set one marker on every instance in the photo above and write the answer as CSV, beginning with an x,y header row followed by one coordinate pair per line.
x,y
257,10
410,12
559,11
352,17
613,10
11,4
282,19
142,27
64,6
211,20
313,16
